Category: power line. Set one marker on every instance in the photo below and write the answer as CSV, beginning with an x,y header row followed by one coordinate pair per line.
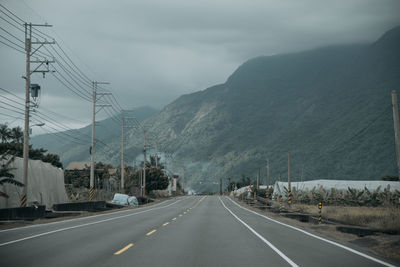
x,y
12,47
15,44
76,91
11,13
9,33
74,73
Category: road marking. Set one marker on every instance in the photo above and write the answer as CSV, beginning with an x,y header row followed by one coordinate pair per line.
x,y
82,218
151,232
165,224
82,225
261,237
317,237
198,202
184,212
180,215
122,250
174,219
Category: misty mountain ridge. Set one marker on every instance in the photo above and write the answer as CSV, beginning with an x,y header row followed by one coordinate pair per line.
x,y
330,107
106,130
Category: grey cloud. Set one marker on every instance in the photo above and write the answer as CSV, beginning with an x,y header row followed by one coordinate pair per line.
x,y
153,51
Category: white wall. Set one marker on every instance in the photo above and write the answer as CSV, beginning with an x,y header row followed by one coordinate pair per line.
x,y
45,185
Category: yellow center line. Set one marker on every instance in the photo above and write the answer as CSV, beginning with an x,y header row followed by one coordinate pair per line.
x,y
122,250
165,224
174,219
151,232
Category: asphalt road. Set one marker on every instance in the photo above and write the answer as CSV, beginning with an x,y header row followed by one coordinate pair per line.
x,y
187,231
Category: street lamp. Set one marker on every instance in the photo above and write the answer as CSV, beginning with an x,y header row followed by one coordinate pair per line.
x,y
37,124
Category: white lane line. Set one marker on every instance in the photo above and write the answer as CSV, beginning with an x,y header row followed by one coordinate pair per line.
x,y
82,225
318,237
83,218
261,237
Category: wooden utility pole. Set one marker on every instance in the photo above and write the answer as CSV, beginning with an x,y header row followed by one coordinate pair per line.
x,y
28,36
396,128
92,147
267,181
29,54
289,185
288,176
91,192
122,154
183,180
144,166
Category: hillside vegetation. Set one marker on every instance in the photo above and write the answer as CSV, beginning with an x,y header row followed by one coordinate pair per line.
x,y
330,107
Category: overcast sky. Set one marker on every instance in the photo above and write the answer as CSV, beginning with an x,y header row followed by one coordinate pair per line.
x,y
154,51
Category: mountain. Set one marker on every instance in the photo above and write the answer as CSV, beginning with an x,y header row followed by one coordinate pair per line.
x,y
67,146
330,107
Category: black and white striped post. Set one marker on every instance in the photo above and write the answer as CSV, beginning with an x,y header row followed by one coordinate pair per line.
x,y
319,212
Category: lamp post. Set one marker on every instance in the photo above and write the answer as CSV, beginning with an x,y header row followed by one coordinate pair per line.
x,y
37,124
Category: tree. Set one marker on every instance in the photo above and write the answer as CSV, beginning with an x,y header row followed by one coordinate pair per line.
x,y
156,179
4,133
16,135
15,147
5,176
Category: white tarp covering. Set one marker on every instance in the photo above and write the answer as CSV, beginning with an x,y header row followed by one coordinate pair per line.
x,y
327,185
337,184
132,201
123,199
120,199
45,185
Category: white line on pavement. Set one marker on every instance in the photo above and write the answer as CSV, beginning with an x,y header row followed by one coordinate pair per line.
x,y
261,237
82,225
317,237
83,218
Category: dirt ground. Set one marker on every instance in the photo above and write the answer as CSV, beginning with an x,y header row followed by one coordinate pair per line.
x,y
384,245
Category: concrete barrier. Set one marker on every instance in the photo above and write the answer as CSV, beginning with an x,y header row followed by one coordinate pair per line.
x,y
26,213
81,206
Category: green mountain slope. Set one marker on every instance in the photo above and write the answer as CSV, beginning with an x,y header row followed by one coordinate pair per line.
x,y
330,107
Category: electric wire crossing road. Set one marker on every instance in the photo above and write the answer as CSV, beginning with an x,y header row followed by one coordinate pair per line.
x,y
187,231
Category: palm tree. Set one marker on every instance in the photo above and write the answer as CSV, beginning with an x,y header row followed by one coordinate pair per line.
x,y
5,176
17,135
4,133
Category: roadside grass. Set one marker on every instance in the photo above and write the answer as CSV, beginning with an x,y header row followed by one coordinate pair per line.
x,y
380,218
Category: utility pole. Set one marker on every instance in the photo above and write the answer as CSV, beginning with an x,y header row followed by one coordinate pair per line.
x,y
92,147
144,165
288,177
91,192
267,181
122,154
220,186
396,128
156,156
183,180
258,179
289,185
29,53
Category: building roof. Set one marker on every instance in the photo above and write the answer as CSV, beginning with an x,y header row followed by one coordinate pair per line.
x,y
78,165
112,171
